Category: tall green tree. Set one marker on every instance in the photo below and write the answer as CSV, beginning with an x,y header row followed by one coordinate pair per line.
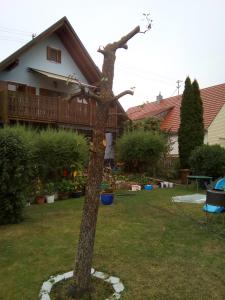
x,y
191,131
198,133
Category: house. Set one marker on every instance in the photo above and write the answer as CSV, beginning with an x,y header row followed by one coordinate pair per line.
x,y
36,80
168,110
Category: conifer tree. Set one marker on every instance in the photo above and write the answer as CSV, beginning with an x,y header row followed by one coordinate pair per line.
x,y
198,133
191,131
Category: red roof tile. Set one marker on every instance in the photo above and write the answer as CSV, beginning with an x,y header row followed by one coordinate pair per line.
x,y
213,99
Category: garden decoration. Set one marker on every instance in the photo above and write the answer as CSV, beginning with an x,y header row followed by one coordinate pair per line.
x,y
114,281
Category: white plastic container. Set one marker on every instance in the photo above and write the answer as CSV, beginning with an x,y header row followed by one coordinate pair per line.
x,y
135,187
50,198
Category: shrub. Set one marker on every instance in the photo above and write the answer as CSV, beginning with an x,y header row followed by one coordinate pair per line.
x,y
15,175
56,151
65,185
208,160
148,124
140,150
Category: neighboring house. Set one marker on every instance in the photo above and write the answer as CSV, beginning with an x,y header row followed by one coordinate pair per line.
x,y
36,80
168,110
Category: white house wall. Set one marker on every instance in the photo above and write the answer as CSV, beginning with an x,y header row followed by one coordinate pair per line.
x,y
216,131
214,135
36,57
174,145
209,138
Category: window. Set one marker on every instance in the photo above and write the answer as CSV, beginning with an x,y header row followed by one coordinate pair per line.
x,y
54,55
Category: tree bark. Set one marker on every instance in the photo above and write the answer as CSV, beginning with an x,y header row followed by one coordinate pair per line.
x,y
90,211
82,270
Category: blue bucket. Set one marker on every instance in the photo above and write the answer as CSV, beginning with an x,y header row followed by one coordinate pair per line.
x,y
107,199
148,187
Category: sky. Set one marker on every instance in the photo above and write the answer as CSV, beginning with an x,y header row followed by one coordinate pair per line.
x,y
187,38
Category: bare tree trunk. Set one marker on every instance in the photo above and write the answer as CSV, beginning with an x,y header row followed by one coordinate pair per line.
x,y
90,211
82,270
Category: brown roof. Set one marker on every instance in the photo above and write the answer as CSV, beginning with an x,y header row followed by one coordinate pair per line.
x,y
213,99
73,45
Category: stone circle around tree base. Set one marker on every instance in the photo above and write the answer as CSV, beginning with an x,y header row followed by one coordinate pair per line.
x,y
114,281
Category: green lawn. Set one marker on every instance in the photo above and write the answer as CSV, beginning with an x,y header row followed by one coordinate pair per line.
x,y
159,250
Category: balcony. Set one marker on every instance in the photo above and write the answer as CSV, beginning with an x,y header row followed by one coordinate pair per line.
x,y
56,110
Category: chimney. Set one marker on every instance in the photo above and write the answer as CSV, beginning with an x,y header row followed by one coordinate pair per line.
x,y
159,98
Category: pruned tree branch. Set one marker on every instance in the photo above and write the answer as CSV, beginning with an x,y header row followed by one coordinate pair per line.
x,y
127,92
122,43
116,98
101,50
86,94
80,92
70,97
94,96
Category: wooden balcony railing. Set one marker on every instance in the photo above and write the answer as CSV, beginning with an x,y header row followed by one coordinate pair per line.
x,y
55,110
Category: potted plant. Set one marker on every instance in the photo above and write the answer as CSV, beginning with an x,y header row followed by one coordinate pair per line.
x,y
79,182
39,192
107,193
49,190
64,187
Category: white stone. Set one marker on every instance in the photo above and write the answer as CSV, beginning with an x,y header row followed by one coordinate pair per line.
x,y
118,287
100,275
52,279
113,280
46,287
58,278
45,297
116,296
68,275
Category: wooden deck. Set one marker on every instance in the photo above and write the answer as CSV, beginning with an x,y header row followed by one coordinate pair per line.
x,y
56,110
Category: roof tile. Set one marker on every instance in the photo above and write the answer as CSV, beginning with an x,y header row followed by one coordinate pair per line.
x,y
213,99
